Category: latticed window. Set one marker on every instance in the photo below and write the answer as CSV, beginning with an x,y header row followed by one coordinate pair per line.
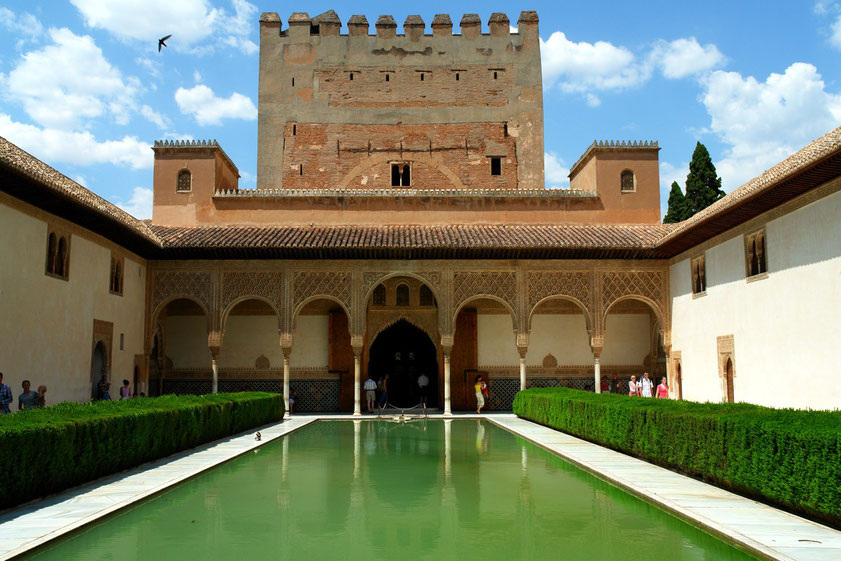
x,y
402,295
379,295
115,284
628,180
426,296
185,180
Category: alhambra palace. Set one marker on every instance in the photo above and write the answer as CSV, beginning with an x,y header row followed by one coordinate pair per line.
x,y
400,225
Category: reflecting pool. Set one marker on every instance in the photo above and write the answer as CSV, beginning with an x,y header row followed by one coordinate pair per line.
x,y
382,490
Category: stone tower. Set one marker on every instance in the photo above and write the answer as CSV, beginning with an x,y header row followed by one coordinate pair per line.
x,y
412,110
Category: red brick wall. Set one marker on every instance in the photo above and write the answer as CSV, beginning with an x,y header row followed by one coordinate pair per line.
x,y
475,86
360,156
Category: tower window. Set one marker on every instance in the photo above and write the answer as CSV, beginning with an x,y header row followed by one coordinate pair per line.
x,y
457,77
401,175
185,180
627,181
421,76
300,169
496,165
495,75
294,130
293,82
387,77
351,76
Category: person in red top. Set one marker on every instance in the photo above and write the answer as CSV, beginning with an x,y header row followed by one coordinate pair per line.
x,y
663,389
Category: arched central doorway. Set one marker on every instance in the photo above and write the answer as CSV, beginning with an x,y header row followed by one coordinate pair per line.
x,y
404,352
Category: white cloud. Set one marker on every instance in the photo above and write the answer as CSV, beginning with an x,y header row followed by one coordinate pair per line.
x,y
154,117
685,57
555,171
196,76
195,25
835,38
764,122
24,24
79,148
140,203
149,65
586,67
208,109
69,82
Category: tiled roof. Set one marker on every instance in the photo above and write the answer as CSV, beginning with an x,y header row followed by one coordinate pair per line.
x,y
786,172
20,161
427,241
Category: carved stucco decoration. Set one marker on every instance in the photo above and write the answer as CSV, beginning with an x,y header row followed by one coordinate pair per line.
x,y
379,321
371,278
237,285
307,284
647,284
575,284
502,285
169,285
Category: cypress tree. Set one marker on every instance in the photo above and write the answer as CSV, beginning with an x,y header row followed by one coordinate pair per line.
x,y
677,205
703,186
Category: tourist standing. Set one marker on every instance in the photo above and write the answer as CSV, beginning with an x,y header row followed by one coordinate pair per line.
x,y
41,400
124,391
614,384
384,390
26,400
6,397
632,386
479,387
423,386
102,388
605,385
370,387
663,389
646,385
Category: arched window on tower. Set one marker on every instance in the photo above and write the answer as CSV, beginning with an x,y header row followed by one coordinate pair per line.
x,y
628,181
401,175
402,295
426,296
185,180
379,295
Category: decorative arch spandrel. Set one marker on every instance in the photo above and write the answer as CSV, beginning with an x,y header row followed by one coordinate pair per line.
x,y
648,286
576,286
191,285
240,286
501,285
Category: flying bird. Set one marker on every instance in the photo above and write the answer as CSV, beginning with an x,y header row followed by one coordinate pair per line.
x,y
161,42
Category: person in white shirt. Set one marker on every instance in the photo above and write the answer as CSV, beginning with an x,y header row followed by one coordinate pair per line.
x,y
646,385
423,386
370,387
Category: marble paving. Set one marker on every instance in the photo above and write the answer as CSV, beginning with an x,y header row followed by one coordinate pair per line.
x,y
761,529
767,532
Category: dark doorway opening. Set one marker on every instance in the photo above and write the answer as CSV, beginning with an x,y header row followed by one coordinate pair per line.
x,y
98,368
404,352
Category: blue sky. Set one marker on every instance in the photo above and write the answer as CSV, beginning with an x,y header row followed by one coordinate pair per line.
x,y
83,87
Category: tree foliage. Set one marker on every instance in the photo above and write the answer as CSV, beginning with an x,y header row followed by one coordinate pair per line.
x,y
677,205
703,188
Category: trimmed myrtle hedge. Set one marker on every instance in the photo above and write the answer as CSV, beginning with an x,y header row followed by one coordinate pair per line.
x,y
47,450
791,458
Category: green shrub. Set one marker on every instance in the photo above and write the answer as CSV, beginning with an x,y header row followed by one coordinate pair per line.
x,y
790,458
47,450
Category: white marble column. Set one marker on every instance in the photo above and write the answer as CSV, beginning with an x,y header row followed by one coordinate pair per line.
x,y
286,383
598,373
357,375
522,373
214,384
448,411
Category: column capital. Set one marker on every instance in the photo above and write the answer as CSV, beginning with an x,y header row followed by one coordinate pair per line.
x,y
214,343
522,342
286,340
447,342
357,342
597,344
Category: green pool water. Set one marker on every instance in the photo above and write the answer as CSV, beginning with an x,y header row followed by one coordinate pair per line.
x,y
380,490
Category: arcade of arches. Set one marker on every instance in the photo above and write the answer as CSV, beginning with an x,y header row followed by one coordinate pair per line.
x,y
317,332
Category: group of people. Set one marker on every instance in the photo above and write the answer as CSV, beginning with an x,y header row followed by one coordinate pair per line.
x,y
644,387
376,391
103,389
29,399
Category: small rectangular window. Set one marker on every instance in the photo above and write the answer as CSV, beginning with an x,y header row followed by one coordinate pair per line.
x,y
421,76
351,76
699,275
457,77
300,169
386,77
293,82
495,75
294,130
496,165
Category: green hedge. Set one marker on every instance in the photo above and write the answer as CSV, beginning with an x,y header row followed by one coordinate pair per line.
x,y
791,458
47,450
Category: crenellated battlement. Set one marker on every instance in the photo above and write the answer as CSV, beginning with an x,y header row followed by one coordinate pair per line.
x,y
300,24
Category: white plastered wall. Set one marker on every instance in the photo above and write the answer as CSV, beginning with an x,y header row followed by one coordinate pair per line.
x,y
627,339
785,326
46,332
186,342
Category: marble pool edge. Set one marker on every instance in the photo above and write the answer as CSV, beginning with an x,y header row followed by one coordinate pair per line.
x,y
49,516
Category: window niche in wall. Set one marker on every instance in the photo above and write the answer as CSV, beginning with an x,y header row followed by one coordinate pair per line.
x,y
402,295
426,296
496,165
628,181
115,282
58,255
378,298
699,276
401,174
756,255
185,181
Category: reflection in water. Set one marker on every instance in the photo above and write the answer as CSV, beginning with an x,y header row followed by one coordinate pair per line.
x,y
442,490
